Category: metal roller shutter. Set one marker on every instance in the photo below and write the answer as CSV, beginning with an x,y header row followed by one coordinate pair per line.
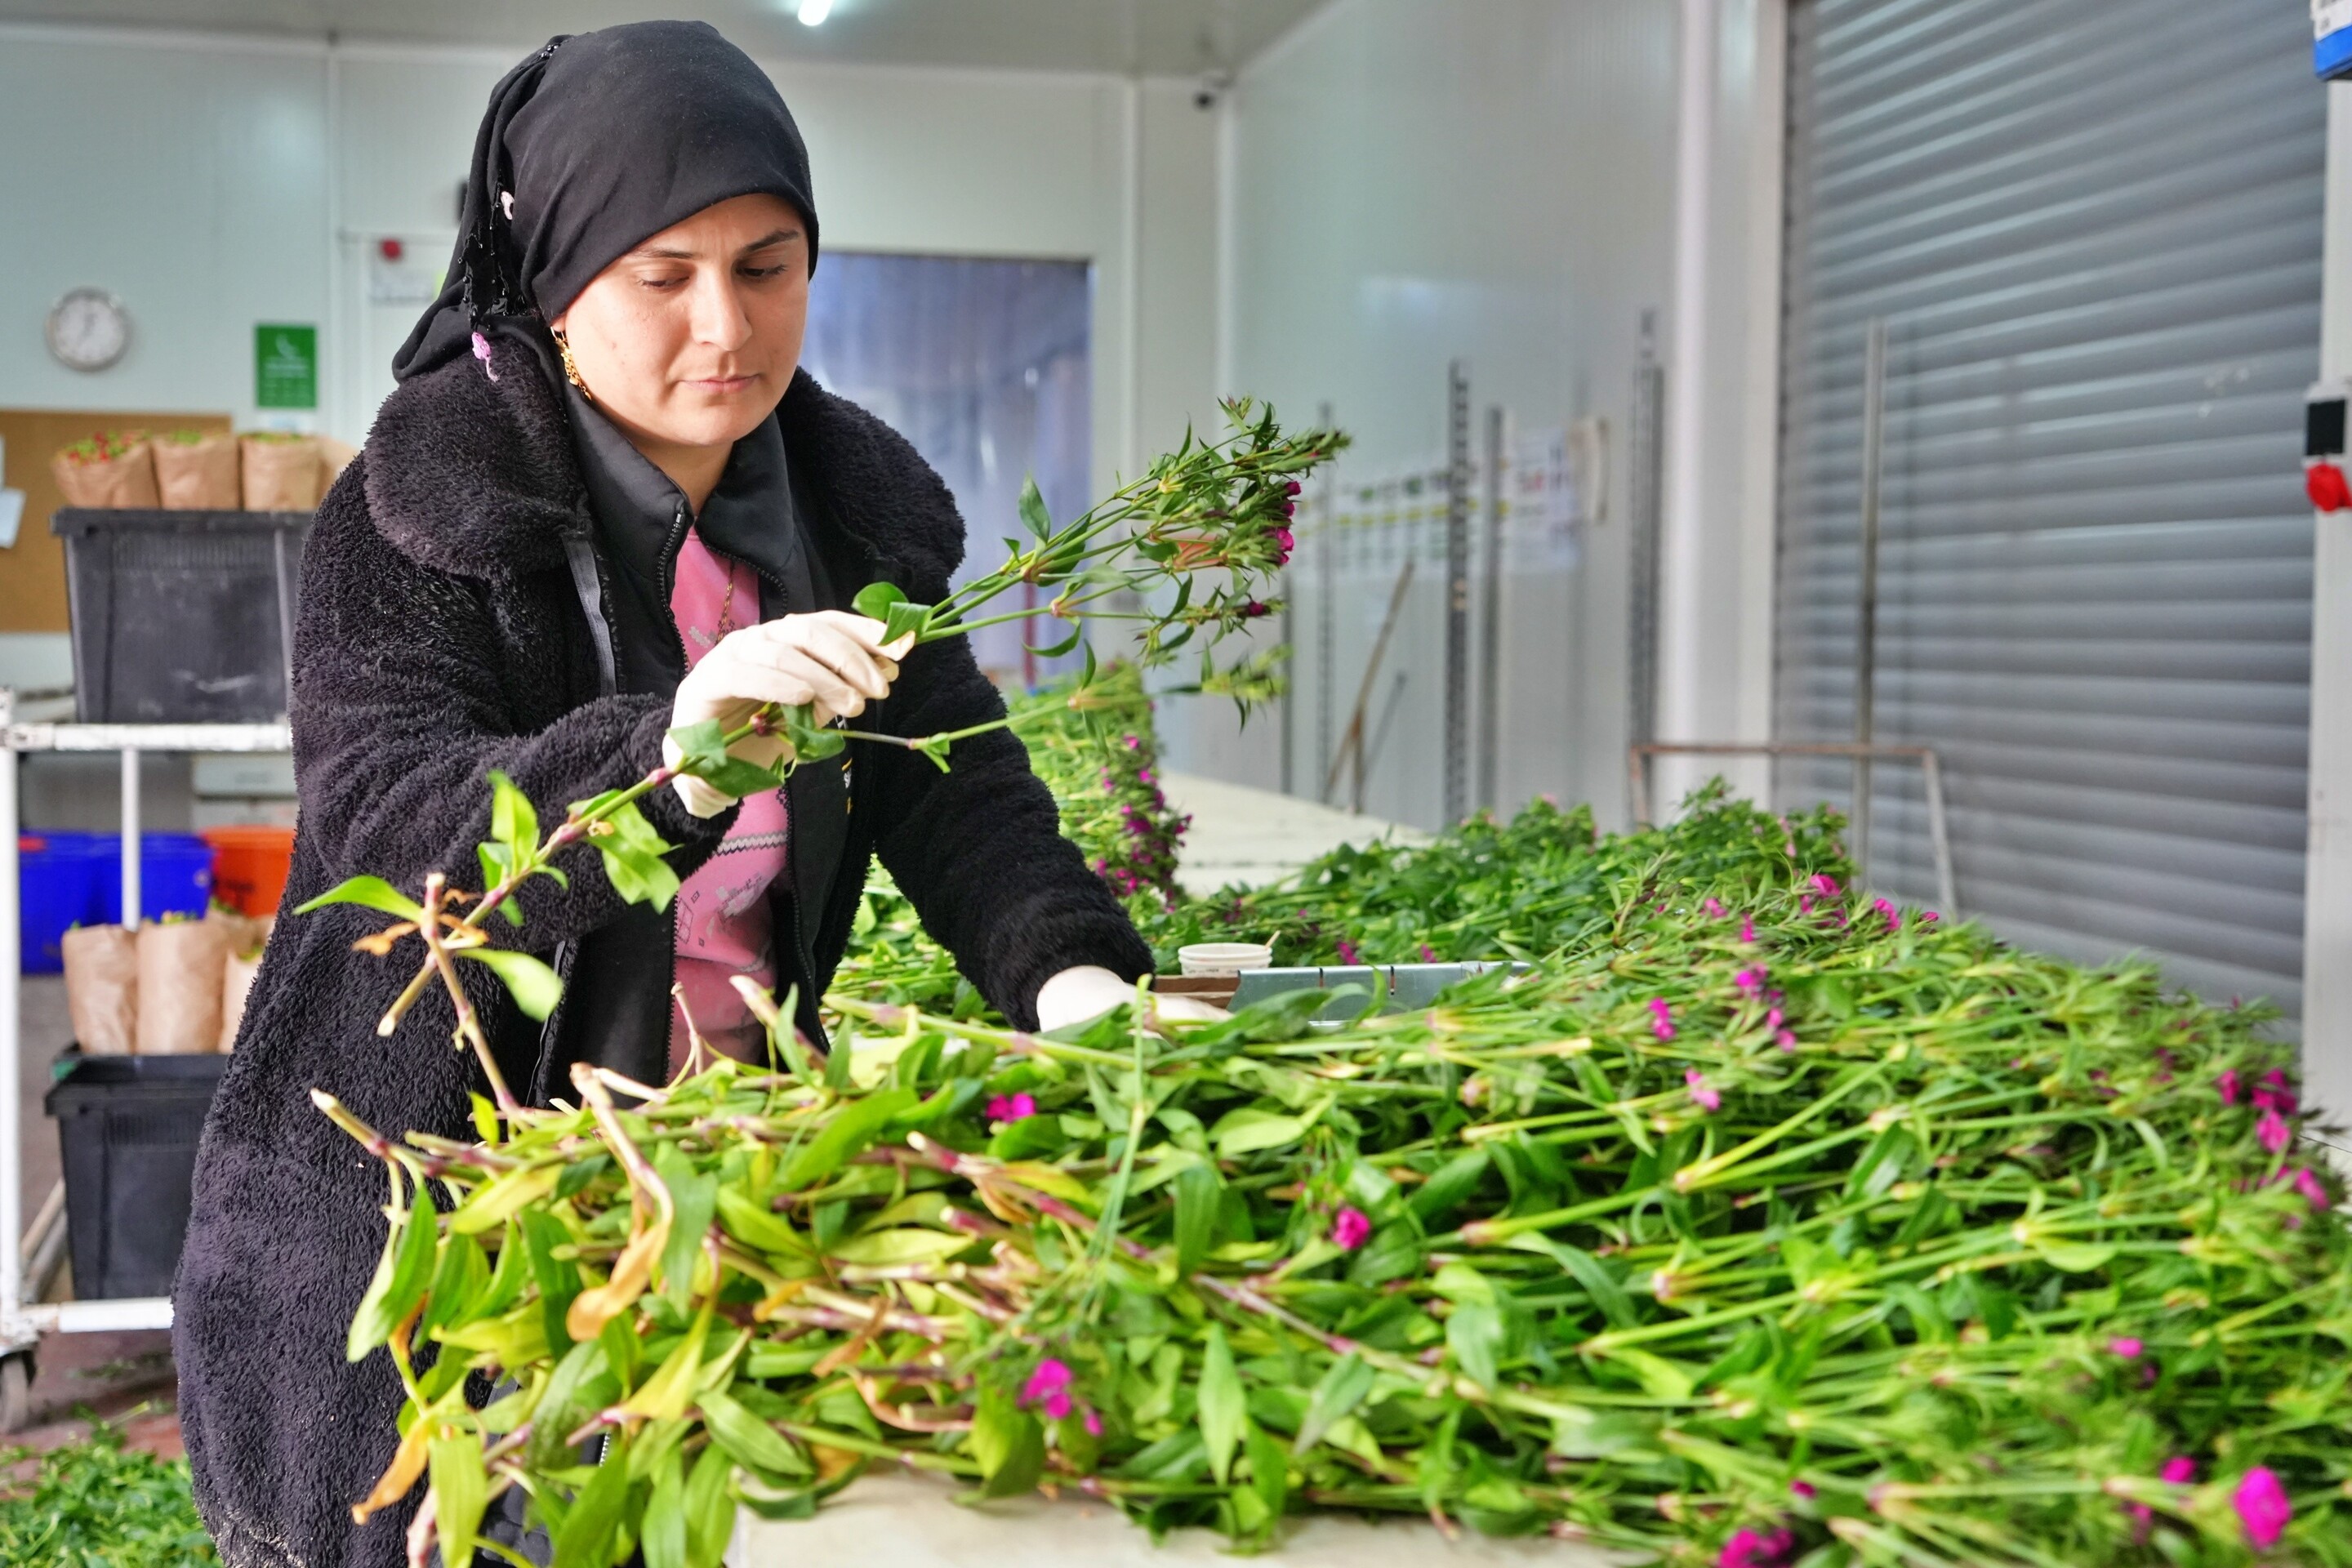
x,y
2094,231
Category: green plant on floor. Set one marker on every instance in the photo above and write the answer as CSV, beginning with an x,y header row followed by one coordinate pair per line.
x,y
1764,1222
98,1504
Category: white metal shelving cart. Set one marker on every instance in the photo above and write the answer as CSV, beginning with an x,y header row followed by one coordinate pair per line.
x,y
22,1322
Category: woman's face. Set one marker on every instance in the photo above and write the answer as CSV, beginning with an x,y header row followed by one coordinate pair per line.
x,y
690,339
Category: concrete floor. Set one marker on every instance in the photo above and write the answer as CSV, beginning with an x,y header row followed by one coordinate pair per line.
x,y
1247,837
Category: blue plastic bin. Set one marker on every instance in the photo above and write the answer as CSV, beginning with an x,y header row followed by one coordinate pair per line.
x,y
76,878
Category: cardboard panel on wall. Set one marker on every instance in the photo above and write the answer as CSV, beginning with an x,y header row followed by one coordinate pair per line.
x,y
33,571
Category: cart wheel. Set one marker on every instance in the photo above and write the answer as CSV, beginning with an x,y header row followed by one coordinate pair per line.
x,y
16,1392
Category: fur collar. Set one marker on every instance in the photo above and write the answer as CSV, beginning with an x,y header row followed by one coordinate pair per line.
x,y
476,476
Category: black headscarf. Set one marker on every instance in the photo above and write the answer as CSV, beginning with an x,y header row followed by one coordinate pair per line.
x,y
602,140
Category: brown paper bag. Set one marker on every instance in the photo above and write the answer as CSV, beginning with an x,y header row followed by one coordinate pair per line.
x,y
281,472
335,457
196,470
103,989
236,984
110,468
180,965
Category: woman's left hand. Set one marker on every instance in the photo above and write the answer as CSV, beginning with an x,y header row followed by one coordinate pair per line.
x,y
1089,991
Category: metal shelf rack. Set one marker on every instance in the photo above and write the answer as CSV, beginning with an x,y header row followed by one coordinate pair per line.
x,y
23,1323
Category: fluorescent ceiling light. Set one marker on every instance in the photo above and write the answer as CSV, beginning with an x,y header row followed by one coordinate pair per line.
x,y
813,12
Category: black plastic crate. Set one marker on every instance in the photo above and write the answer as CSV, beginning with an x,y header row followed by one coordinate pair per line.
x,y
128,1128
181,617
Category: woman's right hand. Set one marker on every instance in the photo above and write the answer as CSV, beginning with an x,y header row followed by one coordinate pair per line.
x,y
832,662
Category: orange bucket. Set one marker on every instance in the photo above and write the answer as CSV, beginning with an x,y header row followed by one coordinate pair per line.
x,y
249,866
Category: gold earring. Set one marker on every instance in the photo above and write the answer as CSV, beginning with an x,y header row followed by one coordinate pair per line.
x,y
571,367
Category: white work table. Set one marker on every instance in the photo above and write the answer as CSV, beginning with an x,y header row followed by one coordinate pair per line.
x,y
1247,837
910,1521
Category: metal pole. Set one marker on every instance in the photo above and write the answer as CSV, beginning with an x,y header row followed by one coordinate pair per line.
x,y
1490,628
1645,504
1865,652
12,1154
1457,592
286,612
1947,886
1327,551
130,900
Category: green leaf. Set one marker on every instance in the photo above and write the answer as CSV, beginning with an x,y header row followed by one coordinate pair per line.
x,y
1199,1193
1475,1333
709,1510
1269,1469
1034,515
491,1206
1224,1405
514,821
2073,1257
903,618
584,1539
752,1442
875,600
1336,1392
462,1486
558,1278
743,779
374,892
1008,1443
401,1277
694,1200
1059,648
1607,1293
458,1279
534,986
754,1225
850,1130
1248,1131
661,1538
632,853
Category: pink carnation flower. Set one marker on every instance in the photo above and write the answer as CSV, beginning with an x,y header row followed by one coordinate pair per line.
x,y
1714,908
1747,928
1349,1227
2262,1503
1048,1389
2227,1084
2273,1131
2274,1093
2313,1192
2126,1348
1750,983
2179,1471
1664,1026
1826,883
1012,1107
1706,1096
1749,1549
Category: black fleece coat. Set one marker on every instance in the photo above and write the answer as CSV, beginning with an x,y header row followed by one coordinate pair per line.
x,y
443,634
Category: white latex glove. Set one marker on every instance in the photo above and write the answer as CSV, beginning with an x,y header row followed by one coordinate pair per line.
x,y
1089,991
834,661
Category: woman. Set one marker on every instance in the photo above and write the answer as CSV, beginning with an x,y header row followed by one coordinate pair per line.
x,y
602,503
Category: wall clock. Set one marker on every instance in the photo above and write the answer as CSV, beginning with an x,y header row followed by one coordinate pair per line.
x,y
88,330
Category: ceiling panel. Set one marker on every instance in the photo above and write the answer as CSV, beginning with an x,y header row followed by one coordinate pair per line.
x,y
1154,37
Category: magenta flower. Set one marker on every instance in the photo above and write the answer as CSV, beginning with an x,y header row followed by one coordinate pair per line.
x,y
1284,545
1714,908
1750,983
1012,1108
2273,1131
1706,1096
1772,1018
1049,1388
1803,1489
1347,950
1826,883
1428,954
1894,916
1747,928
2179,1470
1094,1424
1748,1549
2126,1348
1664,1026
2262,1503
1928,916
1253,609
2227,1084
1787,1040
2275,1093
1349,1227
1804,903
2312,1192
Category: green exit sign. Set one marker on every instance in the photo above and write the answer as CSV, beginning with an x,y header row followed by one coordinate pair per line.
x,y
285,365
